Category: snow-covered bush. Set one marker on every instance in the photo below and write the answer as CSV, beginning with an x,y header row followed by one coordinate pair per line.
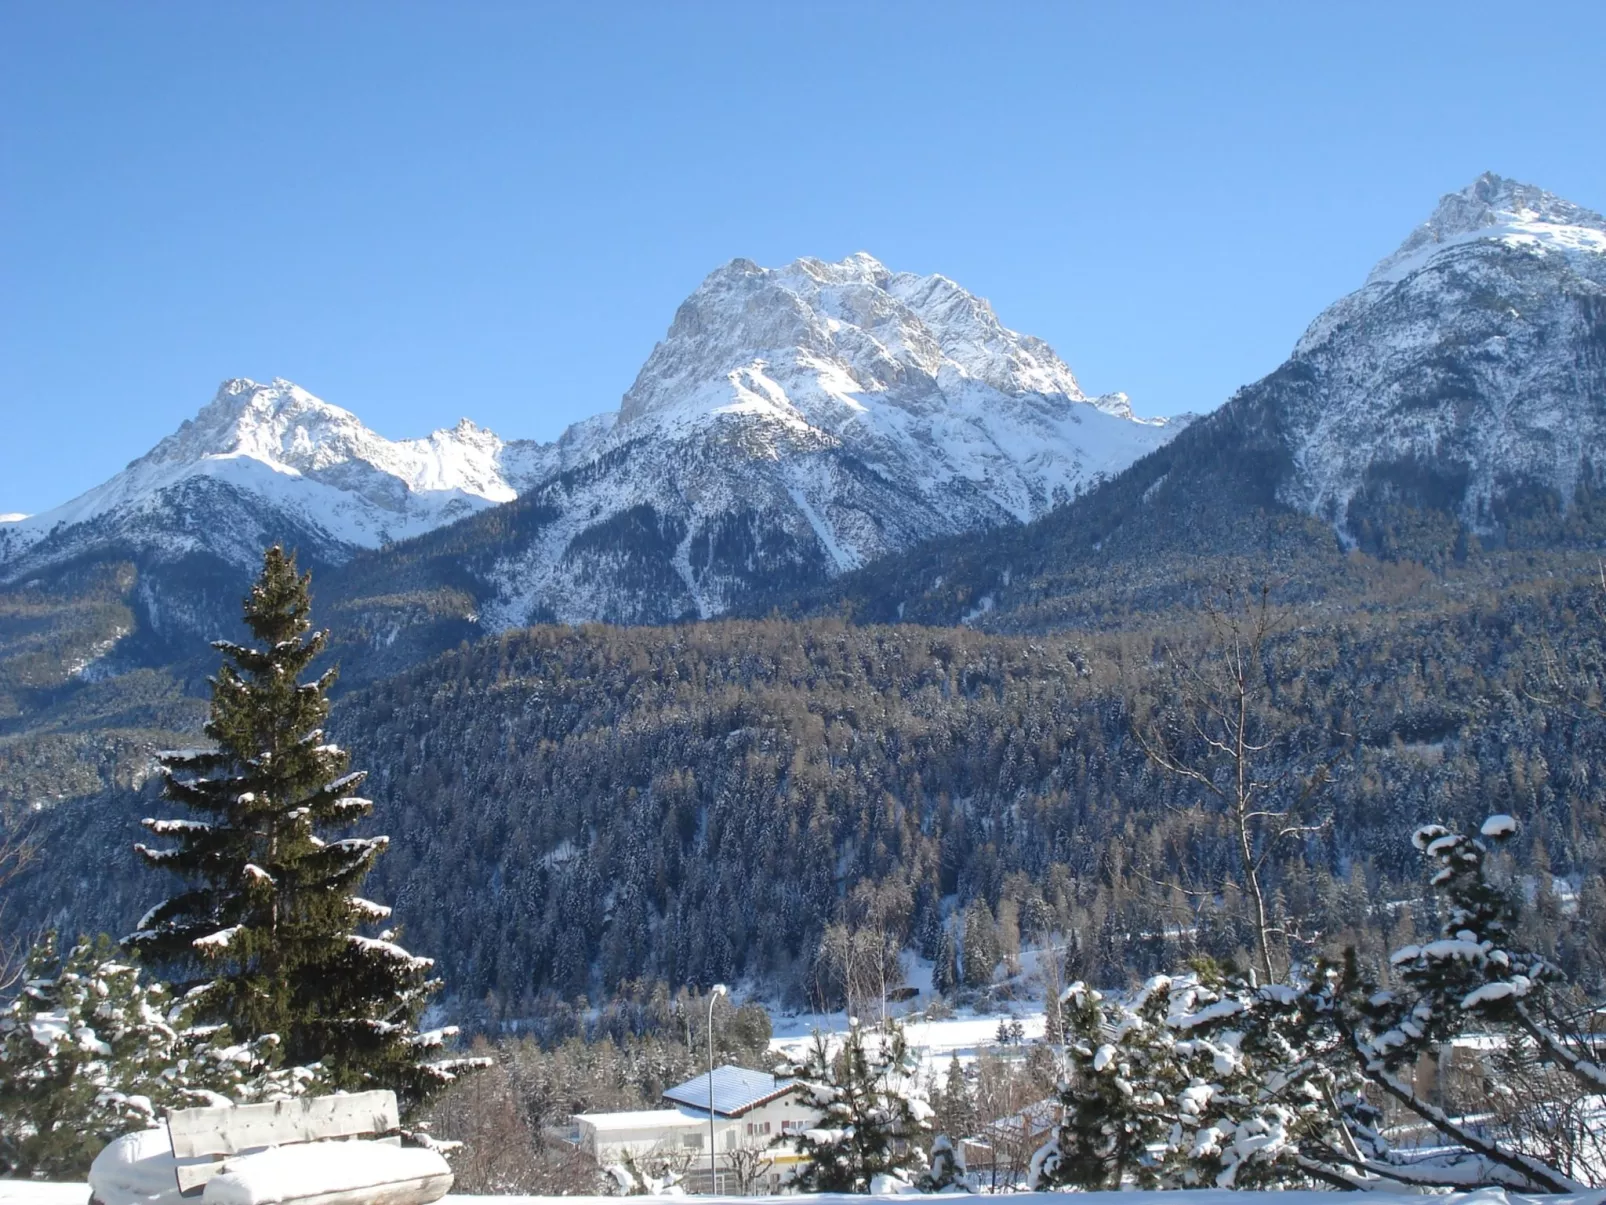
x,y
1202,1080
82,1049
1476,979
1211,1079
89,1050
947,1172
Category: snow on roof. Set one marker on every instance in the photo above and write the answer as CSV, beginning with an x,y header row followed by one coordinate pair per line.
x,y
736,1090
643,1119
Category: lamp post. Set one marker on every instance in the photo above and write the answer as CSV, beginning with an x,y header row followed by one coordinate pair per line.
x,y
719,989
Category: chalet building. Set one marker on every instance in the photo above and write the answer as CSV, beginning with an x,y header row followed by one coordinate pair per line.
x,y
754,1116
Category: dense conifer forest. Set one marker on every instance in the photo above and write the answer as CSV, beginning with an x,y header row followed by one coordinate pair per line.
x,y
572,808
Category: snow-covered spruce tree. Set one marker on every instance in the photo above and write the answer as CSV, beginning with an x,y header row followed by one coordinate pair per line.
x,y
83,1051
1120,1070
266,931
873,1124
1472,978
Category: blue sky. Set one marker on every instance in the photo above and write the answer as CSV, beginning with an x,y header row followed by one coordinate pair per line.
x,y
425,211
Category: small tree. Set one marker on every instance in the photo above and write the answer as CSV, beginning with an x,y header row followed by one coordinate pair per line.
x,y
947,1172
267,930
749,1163
873,1123
1106,1130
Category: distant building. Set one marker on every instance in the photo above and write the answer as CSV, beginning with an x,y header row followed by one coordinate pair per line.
x,y
754,1114
999,1155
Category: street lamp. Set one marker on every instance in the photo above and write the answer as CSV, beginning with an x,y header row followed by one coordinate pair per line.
x,y
719,989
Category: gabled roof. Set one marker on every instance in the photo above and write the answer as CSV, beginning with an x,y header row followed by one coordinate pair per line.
x,y
736,1090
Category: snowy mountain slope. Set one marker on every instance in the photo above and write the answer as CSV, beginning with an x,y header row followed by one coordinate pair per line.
x,y
798,422
262,456
1469,368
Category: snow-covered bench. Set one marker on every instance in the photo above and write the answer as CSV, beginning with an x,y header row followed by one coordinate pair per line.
x,y
321,1150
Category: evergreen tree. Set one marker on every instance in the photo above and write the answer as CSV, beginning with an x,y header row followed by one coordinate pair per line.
x,y
267,929
1477,976
1106,1131
873,1123
981,952
959,1107
945,974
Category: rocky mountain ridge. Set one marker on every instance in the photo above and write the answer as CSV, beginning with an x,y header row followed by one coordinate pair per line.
x,y
1467,369
798,422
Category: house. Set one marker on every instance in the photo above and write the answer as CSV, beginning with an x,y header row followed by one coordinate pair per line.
x,y
753,1115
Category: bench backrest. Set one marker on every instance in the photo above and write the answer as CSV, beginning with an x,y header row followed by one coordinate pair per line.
x,y
206,1137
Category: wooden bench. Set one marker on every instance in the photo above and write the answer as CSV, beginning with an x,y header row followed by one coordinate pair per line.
x,y
320,1150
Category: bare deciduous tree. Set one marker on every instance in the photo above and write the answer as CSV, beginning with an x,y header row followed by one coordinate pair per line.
x,y
1227,730
749,1162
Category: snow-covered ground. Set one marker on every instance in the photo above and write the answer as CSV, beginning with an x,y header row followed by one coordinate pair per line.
x,y
964,1035
34,1192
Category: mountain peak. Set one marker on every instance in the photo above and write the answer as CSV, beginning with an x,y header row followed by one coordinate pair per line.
x,y
853,328
294,455
1495,208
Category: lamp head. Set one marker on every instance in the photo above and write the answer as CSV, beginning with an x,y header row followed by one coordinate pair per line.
x,y
719,989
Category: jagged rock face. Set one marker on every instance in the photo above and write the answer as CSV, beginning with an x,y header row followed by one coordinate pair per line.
x,y
799,422
1469,370
271,461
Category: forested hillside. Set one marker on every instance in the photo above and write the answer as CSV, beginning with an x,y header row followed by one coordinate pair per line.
x,y
571,808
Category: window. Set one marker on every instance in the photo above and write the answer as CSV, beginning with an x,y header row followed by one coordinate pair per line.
x,y
692,1142
757,1129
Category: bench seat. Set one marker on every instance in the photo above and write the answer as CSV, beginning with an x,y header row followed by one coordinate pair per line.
x,y
139,1169
356,1172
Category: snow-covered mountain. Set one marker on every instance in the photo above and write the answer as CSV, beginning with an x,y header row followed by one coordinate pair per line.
x,y
1469,369
797,422
793,423
1456,400
264,460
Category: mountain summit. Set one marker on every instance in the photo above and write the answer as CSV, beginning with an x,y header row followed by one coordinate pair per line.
x,y
1501,210
1468,370
832,332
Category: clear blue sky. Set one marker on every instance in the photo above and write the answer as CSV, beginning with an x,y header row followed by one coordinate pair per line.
x,y
424,211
